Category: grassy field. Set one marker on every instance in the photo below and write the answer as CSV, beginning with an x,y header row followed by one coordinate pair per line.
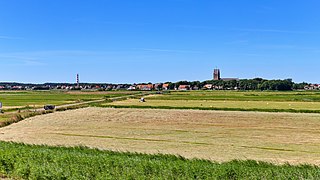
x,y
302,96
18,99
307,102
43,162
246,105
214,135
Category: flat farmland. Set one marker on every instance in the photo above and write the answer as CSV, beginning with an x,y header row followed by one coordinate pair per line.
x,y
213,135
231,100
19,99
245,105
300,96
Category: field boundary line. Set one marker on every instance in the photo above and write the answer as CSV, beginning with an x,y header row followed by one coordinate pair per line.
x,y
212,109
135,139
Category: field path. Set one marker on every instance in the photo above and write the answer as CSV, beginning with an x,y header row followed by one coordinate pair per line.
x,y
102,100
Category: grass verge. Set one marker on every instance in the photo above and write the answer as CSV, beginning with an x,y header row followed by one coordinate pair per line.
x,y
44,162
21,116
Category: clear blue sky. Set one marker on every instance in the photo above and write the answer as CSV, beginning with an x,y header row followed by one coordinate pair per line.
x,y
126,41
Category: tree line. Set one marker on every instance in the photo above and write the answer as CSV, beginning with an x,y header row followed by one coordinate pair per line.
x,y
243,84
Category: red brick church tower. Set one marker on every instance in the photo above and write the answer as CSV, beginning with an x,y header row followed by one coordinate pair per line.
x,y
216,74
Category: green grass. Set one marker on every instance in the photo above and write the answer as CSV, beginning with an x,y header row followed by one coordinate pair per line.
x,y
209,108
306,96
44,162
293,101
6,120
40,98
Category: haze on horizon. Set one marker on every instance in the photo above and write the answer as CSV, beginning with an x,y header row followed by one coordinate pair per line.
x,y
125,41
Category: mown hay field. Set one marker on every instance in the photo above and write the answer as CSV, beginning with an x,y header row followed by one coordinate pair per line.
x,y
213,135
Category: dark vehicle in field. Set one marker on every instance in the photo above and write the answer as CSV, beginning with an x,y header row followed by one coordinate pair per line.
x,y
49,107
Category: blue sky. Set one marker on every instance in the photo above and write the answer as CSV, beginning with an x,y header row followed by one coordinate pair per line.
x,y
127,41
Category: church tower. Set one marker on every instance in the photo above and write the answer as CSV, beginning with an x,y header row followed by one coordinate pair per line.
x,y
216,74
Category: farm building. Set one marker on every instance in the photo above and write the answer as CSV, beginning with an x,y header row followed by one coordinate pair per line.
x,y
208,86
184,87
145,87
312,87
165,87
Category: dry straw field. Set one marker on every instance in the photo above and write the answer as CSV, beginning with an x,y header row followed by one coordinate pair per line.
x,y
214,135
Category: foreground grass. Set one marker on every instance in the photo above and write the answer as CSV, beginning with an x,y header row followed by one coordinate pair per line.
x,y
44,162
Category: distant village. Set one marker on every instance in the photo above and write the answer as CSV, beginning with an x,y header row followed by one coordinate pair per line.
x,y
102,87
217,83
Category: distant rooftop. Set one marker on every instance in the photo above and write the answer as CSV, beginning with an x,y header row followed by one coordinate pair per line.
x,y
230,79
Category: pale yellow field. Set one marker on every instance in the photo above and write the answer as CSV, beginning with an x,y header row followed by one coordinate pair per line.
x,y
214,135
223,104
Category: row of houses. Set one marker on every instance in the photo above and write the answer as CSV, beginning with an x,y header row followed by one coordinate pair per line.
x,y
212,87
140,87
14,87
64,87
93,87
205,87
312,87
149,87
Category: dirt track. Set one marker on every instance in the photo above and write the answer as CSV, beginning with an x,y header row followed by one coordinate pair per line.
x,y
213,135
